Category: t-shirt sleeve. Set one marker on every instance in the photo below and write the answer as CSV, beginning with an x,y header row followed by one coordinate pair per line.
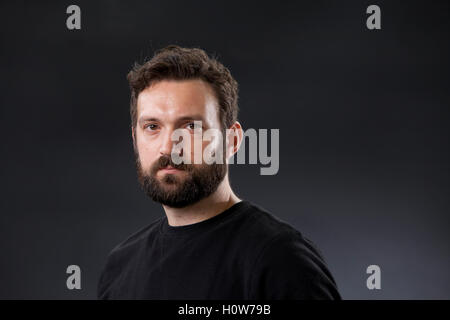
x,y
103,281
290,267
107,276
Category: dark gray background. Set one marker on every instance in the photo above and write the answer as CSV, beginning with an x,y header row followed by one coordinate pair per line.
x,y
363,118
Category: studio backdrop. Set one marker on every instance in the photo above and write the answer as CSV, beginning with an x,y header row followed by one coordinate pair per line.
x,y
358,92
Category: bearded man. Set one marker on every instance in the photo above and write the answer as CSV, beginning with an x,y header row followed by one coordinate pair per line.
x,y
210,244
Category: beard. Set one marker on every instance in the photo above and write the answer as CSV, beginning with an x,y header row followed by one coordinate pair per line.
x,y
183,188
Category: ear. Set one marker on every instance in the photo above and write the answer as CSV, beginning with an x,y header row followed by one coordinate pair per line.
x,y
234,139
133,137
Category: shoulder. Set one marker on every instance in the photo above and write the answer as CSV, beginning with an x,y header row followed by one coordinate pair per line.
x,y
288,265
121,254
137,237
289,246
269,238
268,227
278,233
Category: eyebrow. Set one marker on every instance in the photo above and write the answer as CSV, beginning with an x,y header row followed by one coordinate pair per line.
x,y
178,120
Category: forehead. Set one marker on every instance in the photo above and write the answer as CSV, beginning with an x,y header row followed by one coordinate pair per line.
x,y
171,99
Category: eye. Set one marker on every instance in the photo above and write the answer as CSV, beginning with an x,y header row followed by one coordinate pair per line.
x,y
151,126
192,126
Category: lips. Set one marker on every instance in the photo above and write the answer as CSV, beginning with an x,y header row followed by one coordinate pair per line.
x,y
169,169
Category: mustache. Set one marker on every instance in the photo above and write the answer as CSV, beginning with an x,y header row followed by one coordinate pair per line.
x,y
165,161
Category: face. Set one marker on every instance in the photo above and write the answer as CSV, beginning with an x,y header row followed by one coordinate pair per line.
x,y
161,109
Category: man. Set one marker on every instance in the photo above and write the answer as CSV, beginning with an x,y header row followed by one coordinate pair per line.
x,y
210,244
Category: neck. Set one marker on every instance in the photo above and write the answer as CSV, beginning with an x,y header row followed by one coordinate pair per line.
x,y
219,201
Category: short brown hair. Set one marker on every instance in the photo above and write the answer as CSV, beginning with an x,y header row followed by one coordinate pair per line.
x,y
177,63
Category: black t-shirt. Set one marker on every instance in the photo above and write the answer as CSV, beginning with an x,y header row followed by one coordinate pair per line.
x,y
242,253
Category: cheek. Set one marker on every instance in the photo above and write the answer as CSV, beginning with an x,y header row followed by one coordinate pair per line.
x,y
147,154
199,142
214,144
211,145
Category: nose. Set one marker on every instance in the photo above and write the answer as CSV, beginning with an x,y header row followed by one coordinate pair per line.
x,y
166,143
